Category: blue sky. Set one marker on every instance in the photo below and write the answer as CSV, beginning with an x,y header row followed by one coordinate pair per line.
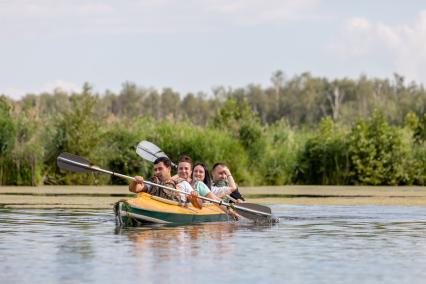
x,y
193,46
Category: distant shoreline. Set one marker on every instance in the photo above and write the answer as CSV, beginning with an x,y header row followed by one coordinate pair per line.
x,y
103,197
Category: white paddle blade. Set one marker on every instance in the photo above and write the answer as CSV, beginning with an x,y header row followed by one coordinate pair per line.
x,y
149,146
149,151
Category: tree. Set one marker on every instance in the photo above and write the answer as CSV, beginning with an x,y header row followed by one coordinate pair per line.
x,y
335,98
278,81
170,104
7,134
237,119
377,152
78,132
324,158
152,105
129,102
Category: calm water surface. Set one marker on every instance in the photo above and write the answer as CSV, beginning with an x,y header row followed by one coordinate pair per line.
x,y
312,244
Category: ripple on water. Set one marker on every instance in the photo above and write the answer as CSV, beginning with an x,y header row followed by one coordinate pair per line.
x,y
311,244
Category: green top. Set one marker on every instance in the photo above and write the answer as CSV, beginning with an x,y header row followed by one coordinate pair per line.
x,y
201,188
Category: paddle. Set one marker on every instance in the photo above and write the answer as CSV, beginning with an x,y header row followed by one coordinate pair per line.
x,y
150,152
253,206
79,164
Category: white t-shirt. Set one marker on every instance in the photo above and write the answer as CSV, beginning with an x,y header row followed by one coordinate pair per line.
x,y
221,191
185,187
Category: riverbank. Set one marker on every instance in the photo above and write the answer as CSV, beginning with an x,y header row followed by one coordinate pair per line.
x,y
105,196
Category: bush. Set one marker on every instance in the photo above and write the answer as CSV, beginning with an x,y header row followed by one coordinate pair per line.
x,y
201,144
324,158
377,152
118,152
7,138
78,131
278,165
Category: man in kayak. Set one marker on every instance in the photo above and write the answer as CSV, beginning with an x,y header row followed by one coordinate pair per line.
x,y
162,176
223,181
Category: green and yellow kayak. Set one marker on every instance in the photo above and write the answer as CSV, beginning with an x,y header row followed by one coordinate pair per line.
x,y
147,209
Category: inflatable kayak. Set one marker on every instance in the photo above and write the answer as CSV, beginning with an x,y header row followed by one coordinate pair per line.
x,y
147,209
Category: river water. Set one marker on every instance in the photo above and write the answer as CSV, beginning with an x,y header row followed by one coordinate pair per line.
x,y
311,244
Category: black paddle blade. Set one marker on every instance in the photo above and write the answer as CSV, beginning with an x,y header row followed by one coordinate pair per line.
x,y
262,214
73,163
256,217
256,207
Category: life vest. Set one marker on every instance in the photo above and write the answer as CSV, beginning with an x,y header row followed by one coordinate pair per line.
x,y
162,192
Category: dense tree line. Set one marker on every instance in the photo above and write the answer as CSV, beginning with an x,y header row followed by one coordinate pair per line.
x,y
303,130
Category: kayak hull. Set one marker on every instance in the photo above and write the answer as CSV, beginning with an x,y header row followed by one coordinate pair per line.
x,y
146,209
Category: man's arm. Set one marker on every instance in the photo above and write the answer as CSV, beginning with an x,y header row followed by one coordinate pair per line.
x,y
137,185
231,183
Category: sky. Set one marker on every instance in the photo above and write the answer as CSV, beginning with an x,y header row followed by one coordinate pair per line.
x,y
194,46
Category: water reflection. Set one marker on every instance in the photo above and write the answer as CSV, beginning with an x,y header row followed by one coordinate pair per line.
x,y
180,240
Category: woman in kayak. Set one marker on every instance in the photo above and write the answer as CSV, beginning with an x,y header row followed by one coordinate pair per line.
x,y
200,184
201,172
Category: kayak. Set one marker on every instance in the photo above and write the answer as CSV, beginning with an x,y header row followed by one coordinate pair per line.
x,y
147,209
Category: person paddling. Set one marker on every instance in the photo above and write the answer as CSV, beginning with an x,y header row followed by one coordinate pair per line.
x,y
162,176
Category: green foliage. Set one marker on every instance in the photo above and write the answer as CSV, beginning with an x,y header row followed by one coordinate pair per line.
x,y
7,127
278,164
324,159
415,135
377,152
418,170
420,130
205,145
237,119
7,138
251,137
78,131
117,151
233,113
23,164
278,134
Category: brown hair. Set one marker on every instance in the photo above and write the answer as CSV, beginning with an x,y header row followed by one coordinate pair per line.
x,y
185,158
217,165
166,161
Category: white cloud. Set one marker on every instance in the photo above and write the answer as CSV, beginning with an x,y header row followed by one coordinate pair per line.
x,y
95,8
254,12
17,93
23,18
14,93
403,46
355,24
68,87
